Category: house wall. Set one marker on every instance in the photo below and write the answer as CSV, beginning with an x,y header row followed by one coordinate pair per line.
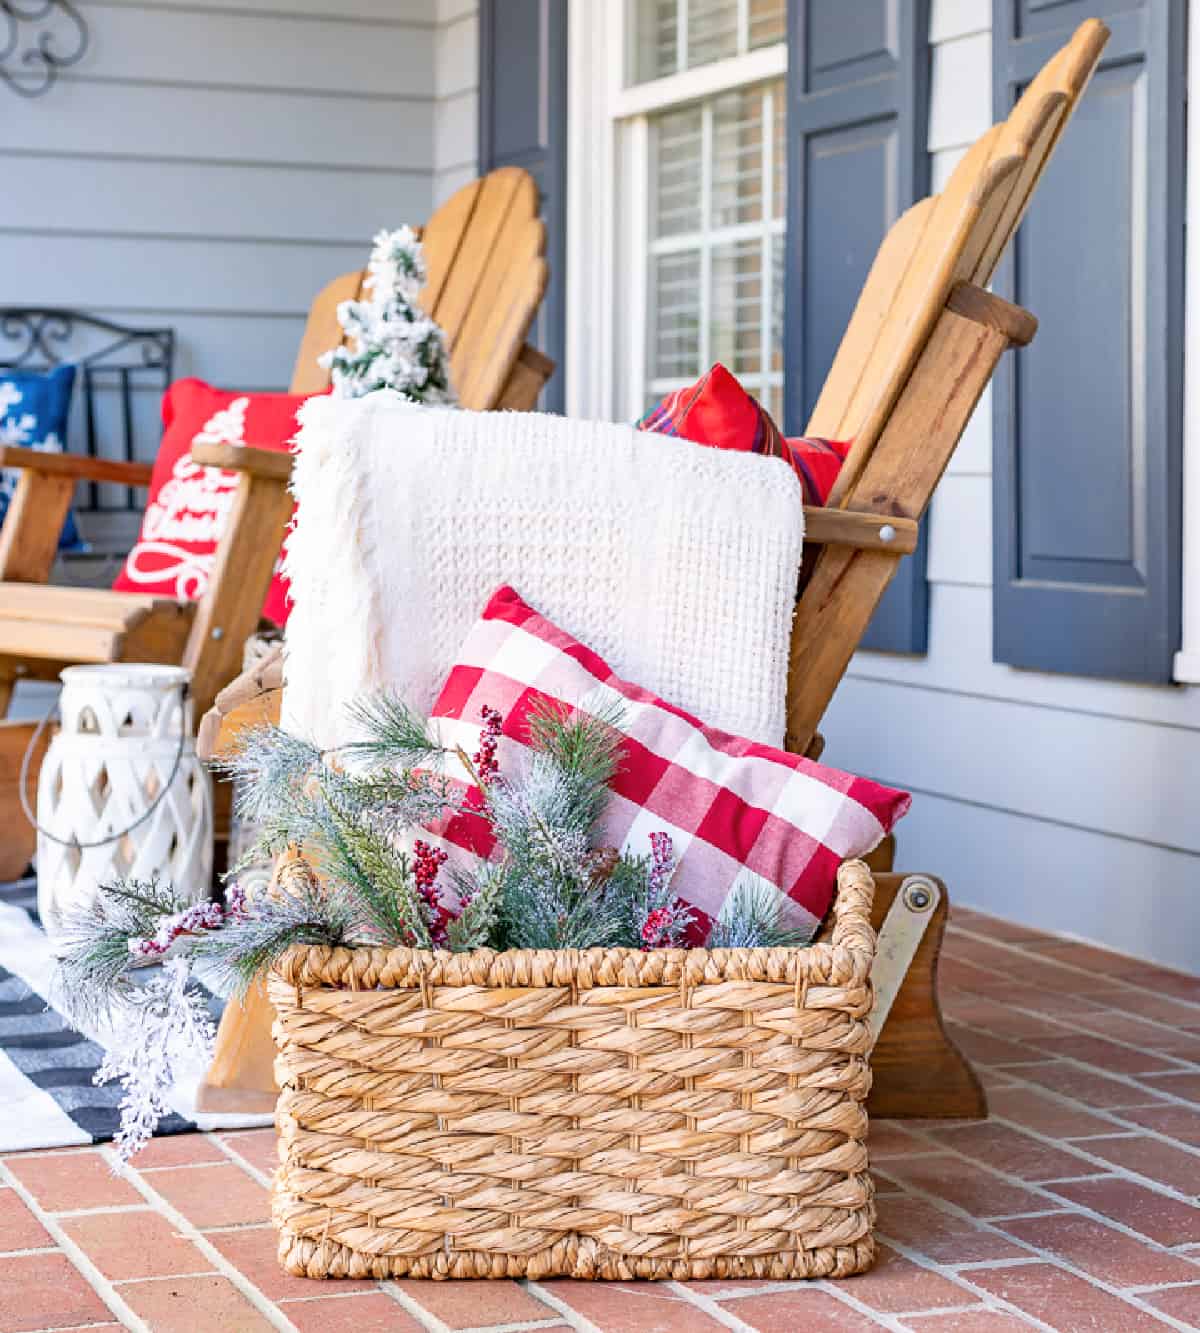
x,y
456,111
210,165
1066,803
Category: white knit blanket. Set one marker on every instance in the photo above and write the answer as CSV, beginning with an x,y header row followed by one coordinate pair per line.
x,y
676,563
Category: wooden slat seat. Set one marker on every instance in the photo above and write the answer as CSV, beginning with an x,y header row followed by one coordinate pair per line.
x,y
91,625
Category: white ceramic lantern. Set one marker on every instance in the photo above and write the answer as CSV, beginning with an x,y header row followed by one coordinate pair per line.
x,y
121,793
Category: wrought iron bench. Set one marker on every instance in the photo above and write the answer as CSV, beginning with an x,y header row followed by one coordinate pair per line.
x,y
123,372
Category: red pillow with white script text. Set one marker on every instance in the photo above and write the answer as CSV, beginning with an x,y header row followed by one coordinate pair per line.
x,y
188,504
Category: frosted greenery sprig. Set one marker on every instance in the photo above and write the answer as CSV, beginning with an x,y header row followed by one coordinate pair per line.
x,y
752,918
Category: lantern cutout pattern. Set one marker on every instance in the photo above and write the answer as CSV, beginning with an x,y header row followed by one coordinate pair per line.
x,y
125,730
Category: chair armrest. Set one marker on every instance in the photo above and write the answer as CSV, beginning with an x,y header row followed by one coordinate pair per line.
x,y
76,466
267,464
870,532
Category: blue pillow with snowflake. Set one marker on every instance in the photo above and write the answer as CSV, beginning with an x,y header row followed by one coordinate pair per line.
x,y
33,415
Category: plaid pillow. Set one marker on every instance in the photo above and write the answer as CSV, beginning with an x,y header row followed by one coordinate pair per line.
x,y
717,411
730,806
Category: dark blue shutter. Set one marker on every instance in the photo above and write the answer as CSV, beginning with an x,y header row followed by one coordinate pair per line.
x,y
1088,418
523,123
858,98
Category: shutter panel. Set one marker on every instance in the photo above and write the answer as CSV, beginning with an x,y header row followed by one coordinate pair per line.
x,y
523,123
858,97
1088,419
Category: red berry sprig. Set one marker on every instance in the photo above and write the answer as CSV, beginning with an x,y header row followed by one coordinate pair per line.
x,y
484,759
656,926
201,916
427,861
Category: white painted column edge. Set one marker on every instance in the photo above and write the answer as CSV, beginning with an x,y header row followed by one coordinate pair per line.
x,y
593,62
1187,660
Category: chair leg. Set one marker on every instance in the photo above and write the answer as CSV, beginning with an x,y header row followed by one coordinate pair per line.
x,y
18,840
882,860
241,1077
918,1071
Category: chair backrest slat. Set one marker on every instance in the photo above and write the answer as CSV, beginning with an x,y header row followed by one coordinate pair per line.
x,y
322,331
1067,74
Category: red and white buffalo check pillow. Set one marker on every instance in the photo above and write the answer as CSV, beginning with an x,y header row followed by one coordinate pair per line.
x,y
731,806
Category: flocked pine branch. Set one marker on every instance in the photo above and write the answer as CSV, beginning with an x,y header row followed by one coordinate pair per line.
x,y
272,773
305,912
584,745
752,918
378,879
100,938
393,736
481,900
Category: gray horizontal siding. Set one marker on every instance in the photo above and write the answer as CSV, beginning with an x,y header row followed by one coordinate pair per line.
x,y
153,274
219,124
256,51
456,114
1105,774
74,193
1135,897
401,13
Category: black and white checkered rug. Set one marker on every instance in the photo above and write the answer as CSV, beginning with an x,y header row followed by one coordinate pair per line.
x,y
47,1097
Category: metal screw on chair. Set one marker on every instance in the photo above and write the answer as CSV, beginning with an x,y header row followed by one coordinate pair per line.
x,y
218,632
918,895
887,533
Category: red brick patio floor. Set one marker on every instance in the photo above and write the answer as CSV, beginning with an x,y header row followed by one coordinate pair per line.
x,y
1076,1206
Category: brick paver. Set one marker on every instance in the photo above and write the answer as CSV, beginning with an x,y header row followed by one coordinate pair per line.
x,y
19,1229
1076,1206
134,1244
46,1291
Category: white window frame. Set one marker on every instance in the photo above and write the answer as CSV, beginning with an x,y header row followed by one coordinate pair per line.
x,y
608,209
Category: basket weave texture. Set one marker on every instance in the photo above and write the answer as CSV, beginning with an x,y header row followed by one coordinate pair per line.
x,y
600,1113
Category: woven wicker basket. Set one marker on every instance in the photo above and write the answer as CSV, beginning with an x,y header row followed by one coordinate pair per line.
x,y
596,1114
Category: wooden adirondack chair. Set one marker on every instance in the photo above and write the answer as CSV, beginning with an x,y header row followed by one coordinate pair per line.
x,y
919,350
484,250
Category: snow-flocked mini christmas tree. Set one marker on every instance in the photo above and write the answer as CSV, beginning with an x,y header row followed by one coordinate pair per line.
x,y
395,345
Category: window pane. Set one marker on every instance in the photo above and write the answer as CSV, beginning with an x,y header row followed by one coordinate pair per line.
x,y
675,315
735,330
737,166
675,158
779,149
768,22
772,400
715,30
657,36
778,247
712,31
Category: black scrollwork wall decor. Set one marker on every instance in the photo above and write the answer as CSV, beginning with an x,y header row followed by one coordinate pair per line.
x,y
37,39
